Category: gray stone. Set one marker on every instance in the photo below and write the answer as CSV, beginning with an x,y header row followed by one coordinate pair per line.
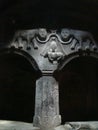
x,y
15,125
48,51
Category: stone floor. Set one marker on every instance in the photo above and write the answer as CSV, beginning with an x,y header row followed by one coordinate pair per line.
x,y
15,125
79,126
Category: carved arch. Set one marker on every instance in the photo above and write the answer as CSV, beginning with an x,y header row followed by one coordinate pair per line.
x,y
22,83
72,56
69,60
22,53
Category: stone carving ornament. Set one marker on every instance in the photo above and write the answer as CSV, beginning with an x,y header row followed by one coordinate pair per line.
x,y
56,44
50,49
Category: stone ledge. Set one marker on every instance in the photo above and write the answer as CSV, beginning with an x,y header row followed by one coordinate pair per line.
x,y
90,125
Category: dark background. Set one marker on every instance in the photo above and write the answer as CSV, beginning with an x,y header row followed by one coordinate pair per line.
x,y
78,89
78,93
20,14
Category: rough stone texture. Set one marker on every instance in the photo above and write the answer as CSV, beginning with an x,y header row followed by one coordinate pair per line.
x,y
15,125
46,107
78,126
47,51
91,125
48,48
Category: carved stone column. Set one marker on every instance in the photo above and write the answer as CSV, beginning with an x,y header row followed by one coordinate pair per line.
x,y
47,104
49,51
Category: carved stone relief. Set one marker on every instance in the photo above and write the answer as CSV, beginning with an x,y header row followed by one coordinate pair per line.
x,y
49,48
54,44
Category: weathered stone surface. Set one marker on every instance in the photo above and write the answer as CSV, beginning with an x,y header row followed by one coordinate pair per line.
x,y
49,48
91,125
46,107
47,51
15,125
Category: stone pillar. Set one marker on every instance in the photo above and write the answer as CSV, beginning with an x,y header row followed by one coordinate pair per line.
x,y
47,103
47,51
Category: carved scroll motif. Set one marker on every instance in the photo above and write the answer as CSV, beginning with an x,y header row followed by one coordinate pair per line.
x,y
54,45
